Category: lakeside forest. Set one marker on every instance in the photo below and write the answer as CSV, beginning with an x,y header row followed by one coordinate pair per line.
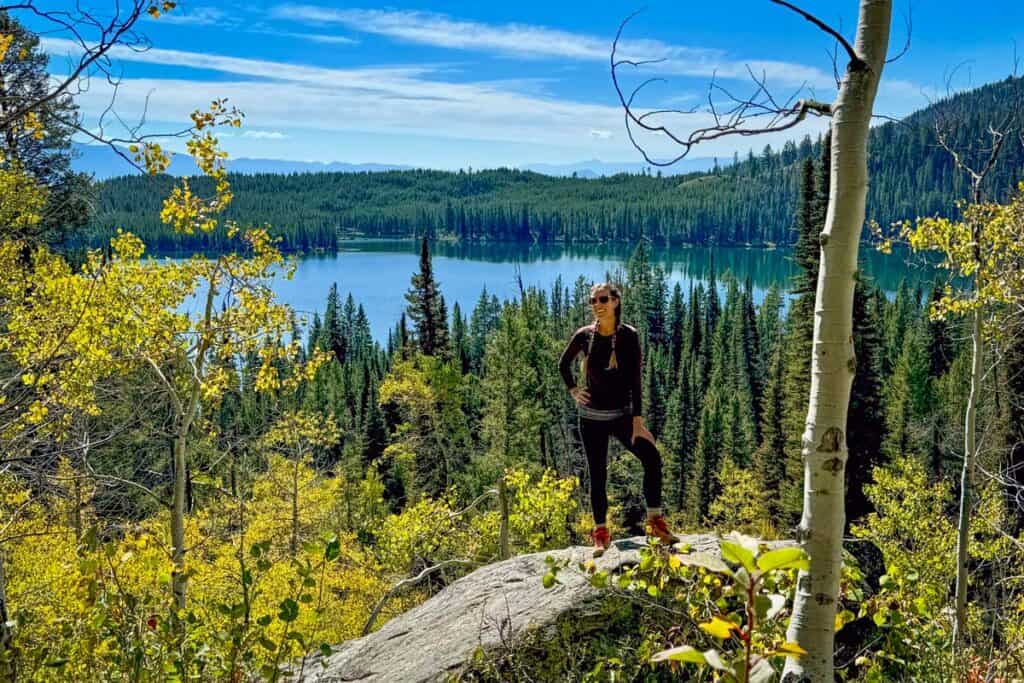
x,y
748,201
214,497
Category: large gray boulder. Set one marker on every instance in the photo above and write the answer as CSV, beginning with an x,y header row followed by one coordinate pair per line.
x,y
488,610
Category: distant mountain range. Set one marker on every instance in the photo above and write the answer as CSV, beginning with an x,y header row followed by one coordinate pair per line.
x,y
103,163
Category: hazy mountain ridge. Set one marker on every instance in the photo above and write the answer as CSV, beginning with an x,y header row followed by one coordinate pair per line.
x,y
103,163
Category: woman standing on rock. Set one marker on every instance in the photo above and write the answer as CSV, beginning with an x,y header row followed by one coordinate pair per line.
x,y
610,403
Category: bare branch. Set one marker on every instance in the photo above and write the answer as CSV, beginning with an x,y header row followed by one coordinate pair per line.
x,y
401,585
908,25
854,59
759,112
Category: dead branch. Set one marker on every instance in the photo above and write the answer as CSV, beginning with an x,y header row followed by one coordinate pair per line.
x,y
855,61
402,585
94,39
731,114
908,25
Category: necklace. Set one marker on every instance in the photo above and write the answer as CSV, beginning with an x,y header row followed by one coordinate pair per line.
x,y
613,361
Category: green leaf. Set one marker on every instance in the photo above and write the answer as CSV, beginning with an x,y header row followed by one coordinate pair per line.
x,y
333,549
719,628
268,644
783,558
751,544
646,561
737,554
761,606
548,580
289,610
683,653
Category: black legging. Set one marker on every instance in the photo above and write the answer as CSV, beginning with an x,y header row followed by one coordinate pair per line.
x,y
595,443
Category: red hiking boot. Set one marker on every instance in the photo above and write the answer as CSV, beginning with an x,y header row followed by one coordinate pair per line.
x,y
601,540
657,528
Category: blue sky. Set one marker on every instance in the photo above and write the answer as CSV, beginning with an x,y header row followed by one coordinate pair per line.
x,y
484,84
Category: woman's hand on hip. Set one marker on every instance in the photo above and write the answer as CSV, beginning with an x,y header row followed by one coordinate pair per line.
x,y
580,395
640,430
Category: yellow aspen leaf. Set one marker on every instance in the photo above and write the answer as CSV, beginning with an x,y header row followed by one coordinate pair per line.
x,y
719,628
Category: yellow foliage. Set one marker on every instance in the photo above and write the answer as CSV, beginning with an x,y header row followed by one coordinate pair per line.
x,y
5,44
541,509
986,244
91,604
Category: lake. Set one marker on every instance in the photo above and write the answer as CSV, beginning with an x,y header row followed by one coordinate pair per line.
x,y
377,272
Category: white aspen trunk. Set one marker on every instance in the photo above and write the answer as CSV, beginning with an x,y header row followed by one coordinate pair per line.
x,y
8,666
833,361
967,482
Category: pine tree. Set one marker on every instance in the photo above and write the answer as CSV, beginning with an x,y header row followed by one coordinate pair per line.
x,y
482,324
909,398
702,484
44,150
425,307
460,339
1014,464
866,419
676,324
770,459
332,332
798,336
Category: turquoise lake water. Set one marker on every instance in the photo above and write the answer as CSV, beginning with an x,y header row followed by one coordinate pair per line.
x,y
377,272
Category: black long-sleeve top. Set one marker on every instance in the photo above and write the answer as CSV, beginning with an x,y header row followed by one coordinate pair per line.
x,y
614,388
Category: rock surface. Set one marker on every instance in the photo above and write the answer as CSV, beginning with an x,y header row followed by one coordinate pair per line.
x,y
489,608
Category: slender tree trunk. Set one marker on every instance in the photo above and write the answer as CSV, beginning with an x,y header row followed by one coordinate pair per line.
x,y
8,666
833,361
179,580
967,483
187,413
76,513
293,546
503,551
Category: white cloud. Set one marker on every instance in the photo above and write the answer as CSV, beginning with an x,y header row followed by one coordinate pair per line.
x,y
525,40
264,135
318,38
388,100
202,16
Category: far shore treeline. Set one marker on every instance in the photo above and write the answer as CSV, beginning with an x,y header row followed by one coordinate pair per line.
x,y
743,201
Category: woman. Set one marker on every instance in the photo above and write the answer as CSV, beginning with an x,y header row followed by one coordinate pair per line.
x,y
610,403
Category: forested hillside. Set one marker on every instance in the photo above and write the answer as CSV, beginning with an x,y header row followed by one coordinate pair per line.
x,y
750,201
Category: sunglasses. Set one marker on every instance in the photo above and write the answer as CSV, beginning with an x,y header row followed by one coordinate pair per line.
x,y
603,299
